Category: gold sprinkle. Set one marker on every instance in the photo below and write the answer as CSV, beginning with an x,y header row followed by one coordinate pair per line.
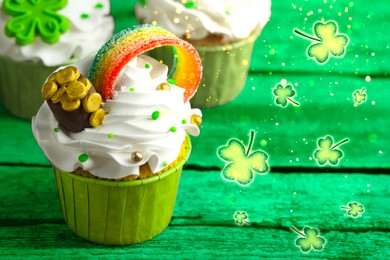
x,y
196,120
49,89
59,93
67,75
76,90
91,102
164,86
97,117
137,156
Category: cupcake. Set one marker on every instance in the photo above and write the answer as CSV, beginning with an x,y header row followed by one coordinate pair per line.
x,y
38,36
115,128
222,31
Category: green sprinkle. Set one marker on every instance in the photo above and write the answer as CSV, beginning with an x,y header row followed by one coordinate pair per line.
x,y
110,135
172,129
99,6
164,164
171,81
184,121
189,4
56,130
84,16
263,142
227,12
131,89
147,65
155,115
143,2
83,157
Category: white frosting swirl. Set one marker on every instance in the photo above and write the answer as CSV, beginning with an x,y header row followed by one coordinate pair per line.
x,y
128,126
85,35
234,19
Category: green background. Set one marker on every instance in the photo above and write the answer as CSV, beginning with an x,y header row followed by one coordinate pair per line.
x,y
296,192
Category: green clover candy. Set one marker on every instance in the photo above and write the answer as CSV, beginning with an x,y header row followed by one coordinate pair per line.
x,y
283,95
241,165
31,18
309,239
328,41
327,151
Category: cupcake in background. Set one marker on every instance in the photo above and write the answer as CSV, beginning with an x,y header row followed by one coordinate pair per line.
x,y
222,31
116,129
38,36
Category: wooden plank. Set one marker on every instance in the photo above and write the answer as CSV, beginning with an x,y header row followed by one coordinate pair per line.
x,y
326,108
187,242
274,200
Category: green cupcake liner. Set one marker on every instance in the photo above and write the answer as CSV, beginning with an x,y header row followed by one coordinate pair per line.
x,y
119,212
20,86
225,70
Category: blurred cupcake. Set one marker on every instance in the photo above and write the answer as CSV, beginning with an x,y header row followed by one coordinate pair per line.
x,y
222,31
115,129
38,36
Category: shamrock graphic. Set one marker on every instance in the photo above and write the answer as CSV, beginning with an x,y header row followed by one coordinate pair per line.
x,y
327,151
360,96
33,17
241,218
328,41
309,239
283,95
242,165
354,209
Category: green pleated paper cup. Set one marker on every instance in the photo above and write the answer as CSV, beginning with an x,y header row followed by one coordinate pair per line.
x,y
20,86
119,212
225,70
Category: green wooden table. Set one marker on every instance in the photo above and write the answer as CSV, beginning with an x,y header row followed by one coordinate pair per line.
x,y
297,192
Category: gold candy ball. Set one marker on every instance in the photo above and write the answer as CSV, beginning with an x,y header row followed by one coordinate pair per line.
x,y
164,86
196,120
137,156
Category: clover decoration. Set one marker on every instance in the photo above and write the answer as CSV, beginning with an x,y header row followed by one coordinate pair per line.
x,y
241,218
309,239
35,17
328,41
360,96
242,164
327,151
354,209
284,94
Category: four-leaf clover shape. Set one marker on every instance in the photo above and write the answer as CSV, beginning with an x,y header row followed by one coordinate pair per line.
x,y
309,239
241,218
360,96
327,151
35,17
284,94
354,209
328,41
242,165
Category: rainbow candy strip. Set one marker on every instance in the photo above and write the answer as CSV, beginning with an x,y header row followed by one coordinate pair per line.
x,y
130,43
